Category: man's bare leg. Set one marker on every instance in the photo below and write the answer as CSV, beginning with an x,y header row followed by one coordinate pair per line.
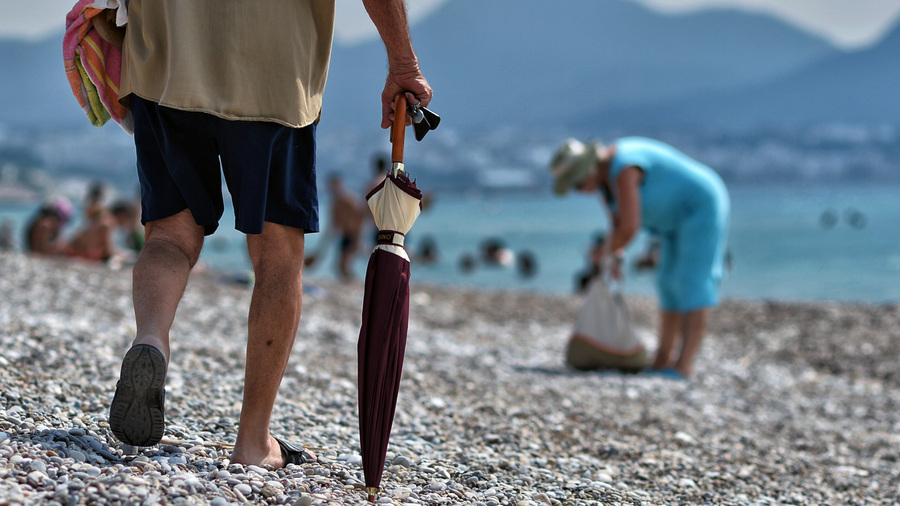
x,y
694,323
161,274
136,414
277,257
669,332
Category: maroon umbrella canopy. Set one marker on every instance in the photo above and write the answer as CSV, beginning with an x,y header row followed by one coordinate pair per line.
x,y
395,203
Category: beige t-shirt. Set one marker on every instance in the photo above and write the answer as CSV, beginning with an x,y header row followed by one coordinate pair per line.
x,y
264,60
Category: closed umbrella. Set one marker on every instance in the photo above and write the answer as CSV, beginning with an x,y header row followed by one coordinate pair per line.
x,y
395,203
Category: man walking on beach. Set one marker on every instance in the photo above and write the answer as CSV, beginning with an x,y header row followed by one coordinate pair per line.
x,y
240,83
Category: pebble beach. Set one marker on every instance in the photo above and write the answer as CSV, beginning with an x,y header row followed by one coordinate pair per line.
x,y
791,403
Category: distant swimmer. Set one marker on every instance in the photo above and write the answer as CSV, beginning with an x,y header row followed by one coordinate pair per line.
x,y
526,264
855,218
828,219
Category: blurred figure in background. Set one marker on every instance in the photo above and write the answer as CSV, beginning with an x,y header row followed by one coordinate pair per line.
x,y
348,213
650,258
94,200
128,219
526,264
93,241
44,233
427,252
646,183
495,253
380,165
467,263
7,229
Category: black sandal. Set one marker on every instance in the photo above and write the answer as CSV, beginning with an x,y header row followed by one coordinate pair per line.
x,y
294,453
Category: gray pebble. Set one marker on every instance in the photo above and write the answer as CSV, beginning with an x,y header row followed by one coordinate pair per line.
x,y
400,460
304,500
257,470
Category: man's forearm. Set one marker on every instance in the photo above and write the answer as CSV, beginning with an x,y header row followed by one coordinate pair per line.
x,y
389,17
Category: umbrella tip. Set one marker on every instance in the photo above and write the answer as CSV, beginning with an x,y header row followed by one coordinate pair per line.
x,y
371,491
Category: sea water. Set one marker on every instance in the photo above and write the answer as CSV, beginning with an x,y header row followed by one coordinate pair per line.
x,y
798,242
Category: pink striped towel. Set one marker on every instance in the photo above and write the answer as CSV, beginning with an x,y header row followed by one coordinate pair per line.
x,y
93,67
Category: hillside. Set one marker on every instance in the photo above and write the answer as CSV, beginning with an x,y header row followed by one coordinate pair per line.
x,y
858,87
33,86
531,61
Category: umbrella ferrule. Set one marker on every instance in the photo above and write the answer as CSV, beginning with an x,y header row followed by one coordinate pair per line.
x,y
397,168
371,492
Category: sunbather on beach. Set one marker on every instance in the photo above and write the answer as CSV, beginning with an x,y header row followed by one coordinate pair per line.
x,y
128,221
93,241
236,88
646,183
44,233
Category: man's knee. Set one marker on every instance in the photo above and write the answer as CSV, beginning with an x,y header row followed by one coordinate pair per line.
x,y
179,231
277,246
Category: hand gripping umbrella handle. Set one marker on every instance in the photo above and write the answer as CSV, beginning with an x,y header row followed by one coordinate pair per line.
x,y
398,130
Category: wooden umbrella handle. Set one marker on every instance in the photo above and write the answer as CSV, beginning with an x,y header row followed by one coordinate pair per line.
x,y
398,130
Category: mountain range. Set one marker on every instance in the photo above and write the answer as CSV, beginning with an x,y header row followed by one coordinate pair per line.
x,y
539,62
568,62
859,88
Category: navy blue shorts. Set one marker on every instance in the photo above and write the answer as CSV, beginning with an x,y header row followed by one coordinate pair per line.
x,y
270,169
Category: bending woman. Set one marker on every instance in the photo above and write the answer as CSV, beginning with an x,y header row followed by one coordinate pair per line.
x,y
648,184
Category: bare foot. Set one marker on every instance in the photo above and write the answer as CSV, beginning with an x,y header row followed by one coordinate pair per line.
x,y
269,456
273,456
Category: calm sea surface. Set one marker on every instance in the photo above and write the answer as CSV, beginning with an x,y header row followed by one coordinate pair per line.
x,y
787,243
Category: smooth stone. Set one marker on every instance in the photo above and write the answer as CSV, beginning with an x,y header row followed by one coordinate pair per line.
x,y
244,489
36,478
304,500
257,470
38,465
400,460
604,478
270,491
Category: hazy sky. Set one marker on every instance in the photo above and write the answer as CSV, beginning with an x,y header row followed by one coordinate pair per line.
x,y
848,23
